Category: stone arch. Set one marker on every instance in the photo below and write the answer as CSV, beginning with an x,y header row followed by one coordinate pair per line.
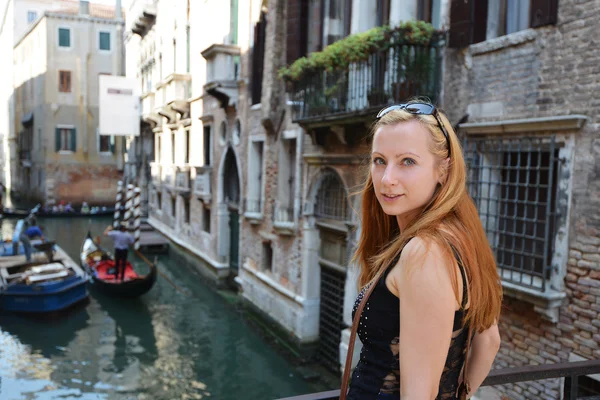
x,y
326,177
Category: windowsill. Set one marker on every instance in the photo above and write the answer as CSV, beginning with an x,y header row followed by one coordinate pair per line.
x,y
543,124
106,153
503,42
547,303
255,107
254,218
285,228
65,152
64,48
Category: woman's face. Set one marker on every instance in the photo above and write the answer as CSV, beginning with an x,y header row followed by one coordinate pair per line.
x,y
405,172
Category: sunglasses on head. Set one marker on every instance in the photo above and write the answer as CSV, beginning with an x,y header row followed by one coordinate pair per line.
x,y
418,109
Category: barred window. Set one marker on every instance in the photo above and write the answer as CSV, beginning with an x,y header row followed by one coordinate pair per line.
x,y
331,202
514,184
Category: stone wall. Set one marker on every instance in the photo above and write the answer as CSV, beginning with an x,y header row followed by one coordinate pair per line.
x,y
545,72
94,184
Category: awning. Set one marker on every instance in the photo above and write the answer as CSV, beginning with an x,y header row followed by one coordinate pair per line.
x,y
27,118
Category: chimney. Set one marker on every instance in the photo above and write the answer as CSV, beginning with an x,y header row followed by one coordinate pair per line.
x,y
119,10
84,7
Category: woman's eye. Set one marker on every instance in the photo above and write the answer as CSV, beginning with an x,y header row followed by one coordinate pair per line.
x,y
378,161
408,162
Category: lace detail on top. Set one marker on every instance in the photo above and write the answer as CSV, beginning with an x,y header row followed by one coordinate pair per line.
x,y
378,370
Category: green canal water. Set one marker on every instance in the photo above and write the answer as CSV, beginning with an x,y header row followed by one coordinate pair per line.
x,y
165,345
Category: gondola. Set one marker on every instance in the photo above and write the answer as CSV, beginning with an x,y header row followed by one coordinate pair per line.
x,y
99,263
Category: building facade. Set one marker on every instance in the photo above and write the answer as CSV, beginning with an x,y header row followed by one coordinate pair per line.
x,y
531,139
57,153
194,105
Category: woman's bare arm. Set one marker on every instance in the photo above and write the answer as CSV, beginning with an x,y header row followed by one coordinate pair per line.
x,y
484,348
427,306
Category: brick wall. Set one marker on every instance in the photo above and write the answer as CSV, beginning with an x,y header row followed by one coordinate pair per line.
x,y
545,72
94,184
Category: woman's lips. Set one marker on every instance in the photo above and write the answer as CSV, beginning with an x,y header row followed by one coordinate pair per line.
x,y
391,197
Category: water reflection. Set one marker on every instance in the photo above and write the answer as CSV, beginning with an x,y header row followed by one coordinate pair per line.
x,y
164,345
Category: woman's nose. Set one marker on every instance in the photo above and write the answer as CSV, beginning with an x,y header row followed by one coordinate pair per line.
x,y
389,176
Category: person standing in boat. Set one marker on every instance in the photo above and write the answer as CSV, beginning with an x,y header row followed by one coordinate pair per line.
x,y
122,240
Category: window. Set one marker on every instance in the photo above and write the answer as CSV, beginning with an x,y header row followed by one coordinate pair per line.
x,y
207,145
223,133
64,81
106,144
514,184
476,21
258,56
286,181
336,24
188,147
104,41
173,142
255,177
383,11
267,256
158,149
186,210
66,139
205,218
64,37
31,16
173,205
159,200
237,132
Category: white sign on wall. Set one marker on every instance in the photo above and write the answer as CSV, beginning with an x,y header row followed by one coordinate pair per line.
x,y
119,106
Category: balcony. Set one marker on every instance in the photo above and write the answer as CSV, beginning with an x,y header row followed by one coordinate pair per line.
x,y
388,76
202,183
155,173
568,370
182,179
283,219
172,96
222,72
167,175
144,12
149,114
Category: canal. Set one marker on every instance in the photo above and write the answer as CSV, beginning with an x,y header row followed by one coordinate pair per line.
x,y
184,343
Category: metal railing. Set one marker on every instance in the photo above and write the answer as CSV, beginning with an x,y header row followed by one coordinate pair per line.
x,y
282,214
569,370
395,74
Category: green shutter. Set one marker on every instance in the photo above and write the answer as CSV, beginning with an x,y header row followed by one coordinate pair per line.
x,y
104,41
57,137
64,37
234,22
73,140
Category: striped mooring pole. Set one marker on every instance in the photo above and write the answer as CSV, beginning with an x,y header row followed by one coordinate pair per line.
x,y
137,217
117,217
128,205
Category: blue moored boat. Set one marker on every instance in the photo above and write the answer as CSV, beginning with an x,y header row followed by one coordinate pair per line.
x,y
42,286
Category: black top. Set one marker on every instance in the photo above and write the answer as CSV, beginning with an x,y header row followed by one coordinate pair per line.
x,y
378,370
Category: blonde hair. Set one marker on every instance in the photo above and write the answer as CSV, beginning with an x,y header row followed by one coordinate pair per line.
x,y
450,220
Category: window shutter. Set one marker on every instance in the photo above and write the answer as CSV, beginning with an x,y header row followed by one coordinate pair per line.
x,y
73,140
543,12
468,22
57,139
297,32
461,23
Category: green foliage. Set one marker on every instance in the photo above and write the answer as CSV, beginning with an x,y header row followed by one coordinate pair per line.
x,y
359,47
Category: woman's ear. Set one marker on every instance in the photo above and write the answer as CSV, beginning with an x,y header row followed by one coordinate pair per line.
x,y
443,170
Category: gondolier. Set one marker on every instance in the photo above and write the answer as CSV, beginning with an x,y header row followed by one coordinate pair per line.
x,y
122,240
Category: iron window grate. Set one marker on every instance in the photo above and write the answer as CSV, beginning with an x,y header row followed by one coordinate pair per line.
x,y
331,323
331,202
514,184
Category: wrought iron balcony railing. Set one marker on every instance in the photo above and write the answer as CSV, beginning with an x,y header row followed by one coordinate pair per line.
x,y
392,75
568,370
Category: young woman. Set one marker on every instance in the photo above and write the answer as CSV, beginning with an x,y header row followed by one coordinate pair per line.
x,y
421,230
